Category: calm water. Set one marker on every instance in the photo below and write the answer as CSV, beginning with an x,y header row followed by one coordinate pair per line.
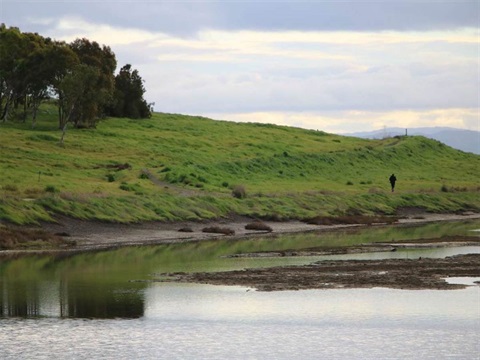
x,y
103,306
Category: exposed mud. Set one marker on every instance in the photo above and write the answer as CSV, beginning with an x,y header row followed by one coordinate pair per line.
x,y
391,273
447,241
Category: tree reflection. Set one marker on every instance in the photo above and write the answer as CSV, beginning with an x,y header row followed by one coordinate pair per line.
x,y
69,299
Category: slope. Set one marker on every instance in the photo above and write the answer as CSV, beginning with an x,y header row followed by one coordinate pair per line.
x,y
175,167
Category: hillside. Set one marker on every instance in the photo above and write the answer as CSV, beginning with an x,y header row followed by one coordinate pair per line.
x,y
175,167
461,139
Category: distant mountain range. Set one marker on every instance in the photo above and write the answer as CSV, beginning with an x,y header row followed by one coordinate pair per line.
x,y
465,140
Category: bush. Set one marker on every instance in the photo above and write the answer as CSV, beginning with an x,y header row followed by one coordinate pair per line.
x,y
444,188
239,192
51,189
33,191
349,182
10,187
111,177
126,187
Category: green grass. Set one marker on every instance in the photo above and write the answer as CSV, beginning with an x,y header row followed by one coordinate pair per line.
x,y
175,167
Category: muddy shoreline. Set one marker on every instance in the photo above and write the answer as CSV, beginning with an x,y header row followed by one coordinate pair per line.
x,y
96,235
393,273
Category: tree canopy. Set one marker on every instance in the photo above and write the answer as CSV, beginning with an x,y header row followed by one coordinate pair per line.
x,y
129,90
79,76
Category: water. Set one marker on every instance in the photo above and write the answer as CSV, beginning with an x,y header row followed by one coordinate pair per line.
x,y
103,306
207,322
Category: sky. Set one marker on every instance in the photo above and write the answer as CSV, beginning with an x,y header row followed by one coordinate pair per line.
x,y
336,66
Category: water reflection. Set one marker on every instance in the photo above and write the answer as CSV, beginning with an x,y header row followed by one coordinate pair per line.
x,y
70,300
105,285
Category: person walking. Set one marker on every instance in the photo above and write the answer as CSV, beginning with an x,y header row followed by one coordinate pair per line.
x,y
392,179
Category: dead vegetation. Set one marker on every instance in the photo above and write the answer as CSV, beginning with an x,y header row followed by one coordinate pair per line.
x,y
218,230
12,238
351,219
258,226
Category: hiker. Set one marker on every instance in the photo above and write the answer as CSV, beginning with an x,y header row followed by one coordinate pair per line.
x,y
392,181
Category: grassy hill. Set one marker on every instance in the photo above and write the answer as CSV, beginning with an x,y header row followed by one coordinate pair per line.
x,y
175,167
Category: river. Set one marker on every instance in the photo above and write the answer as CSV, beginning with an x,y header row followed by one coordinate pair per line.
x,y
104,305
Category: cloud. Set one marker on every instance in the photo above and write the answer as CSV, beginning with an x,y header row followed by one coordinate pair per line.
x,y
186,18
354,15
354,121
299,63
71,28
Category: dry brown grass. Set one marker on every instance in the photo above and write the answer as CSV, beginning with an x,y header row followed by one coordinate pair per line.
x,y
258,226
15,238
218,230
351,219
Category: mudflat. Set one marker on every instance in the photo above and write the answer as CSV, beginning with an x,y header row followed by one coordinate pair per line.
x,y
420,273
396,274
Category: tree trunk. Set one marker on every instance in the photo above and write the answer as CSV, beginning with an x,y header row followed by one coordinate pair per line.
x,y
34,114
64,131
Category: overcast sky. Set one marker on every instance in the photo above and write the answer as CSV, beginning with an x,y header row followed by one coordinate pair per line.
x,y
336,66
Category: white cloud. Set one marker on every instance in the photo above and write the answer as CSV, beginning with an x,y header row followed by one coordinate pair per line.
x,y
71,28
334,81
355,121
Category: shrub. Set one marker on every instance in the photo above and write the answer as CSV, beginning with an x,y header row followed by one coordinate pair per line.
x,y
444,188
110,177
225,184
126,187
10,187
349,182
259,226
143,176
51,189
239,192
33,191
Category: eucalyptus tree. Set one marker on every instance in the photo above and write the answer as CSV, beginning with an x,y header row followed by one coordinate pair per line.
x,y
128,98
13,51
99,95
75,89
36,74
62,61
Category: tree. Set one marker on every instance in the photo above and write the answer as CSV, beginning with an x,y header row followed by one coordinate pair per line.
x,y
98,97
37,74
74,90
13,51
128,96
61,62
